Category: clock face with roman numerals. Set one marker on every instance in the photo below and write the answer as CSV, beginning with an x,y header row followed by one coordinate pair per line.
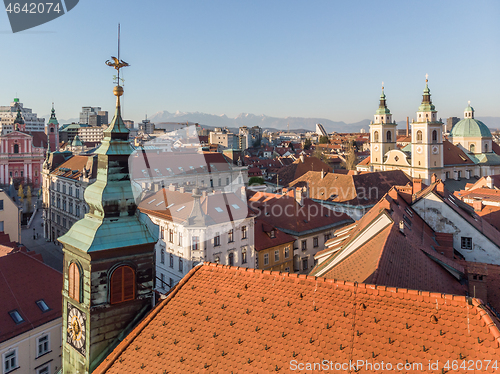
x,y
76,329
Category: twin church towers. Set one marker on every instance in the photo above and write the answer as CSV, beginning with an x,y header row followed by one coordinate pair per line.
x,y
423,157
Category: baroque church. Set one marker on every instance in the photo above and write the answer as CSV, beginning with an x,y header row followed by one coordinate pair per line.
x,y
468,151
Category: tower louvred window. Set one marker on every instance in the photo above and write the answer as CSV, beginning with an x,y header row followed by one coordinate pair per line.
x,y
122,285
74,282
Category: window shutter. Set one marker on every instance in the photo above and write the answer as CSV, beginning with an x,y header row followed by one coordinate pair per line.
x,y
122,285
116,286
74,282
128,283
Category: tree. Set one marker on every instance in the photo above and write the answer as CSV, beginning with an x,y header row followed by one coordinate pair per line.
x,y
350,155
20,192
28,195
323,139
255,181
307,144
318,153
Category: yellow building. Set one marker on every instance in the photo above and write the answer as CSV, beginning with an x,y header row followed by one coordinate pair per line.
x,y
274,248
10,221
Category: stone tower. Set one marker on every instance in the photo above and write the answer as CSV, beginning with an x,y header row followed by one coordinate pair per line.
x,y
52,132
427,140
382,134
108,259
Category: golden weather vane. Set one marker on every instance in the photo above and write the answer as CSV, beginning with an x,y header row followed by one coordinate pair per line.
x,y
117,63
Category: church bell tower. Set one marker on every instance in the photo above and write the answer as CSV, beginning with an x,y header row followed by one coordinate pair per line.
x,y
108,258
427,140
382,134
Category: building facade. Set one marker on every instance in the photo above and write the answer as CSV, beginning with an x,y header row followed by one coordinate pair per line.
x,y
194,228
10,217
65,178
22,155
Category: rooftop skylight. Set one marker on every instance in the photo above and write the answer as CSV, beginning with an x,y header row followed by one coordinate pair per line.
x,y
42,305
16,316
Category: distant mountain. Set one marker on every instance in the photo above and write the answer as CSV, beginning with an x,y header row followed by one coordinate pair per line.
x,y
247,119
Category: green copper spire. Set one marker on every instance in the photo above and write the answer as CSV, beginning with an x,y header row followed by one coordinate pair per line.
x,y
112,221
53,119
426,105
19,120
382,108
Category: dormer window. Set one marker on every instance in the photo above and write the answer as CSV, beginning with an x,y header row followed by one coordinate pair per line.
x,y
272,234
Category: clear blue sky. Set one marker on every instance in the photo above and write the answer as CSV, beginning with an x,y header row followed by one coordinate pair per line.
x,y
279,58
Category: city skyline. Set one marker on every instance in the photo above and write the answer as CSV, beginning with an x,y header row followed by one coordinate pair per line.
x,y
325,60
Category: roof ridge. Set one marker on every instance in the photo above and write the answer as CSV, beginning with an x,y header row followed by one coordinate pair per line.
x,y
108,361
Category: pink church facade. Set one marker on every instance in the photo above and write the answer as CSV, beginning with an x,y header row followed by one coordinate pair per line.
x,y
21,157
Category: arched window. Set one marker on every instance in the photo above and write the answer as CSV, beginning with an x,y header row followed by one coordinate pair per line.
x,y
389,136
375,136
74,282
51,129
231,259
486,148
16,148
434,136
472,148
122,285
419,136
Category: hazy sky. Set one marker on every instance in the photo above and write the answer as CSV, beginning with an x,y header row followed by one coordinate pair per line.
x,y
279,58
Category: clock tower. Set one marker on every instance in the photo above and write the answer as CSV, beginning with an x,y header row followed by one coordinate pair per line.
x,y
382,134
427,140
108,258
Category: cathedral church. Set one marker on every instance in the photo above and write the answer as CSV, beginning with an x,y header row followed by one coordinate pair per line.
x,y
468,151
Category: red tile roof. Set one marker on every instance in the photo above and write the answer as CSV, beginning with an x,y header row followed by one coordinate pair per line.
x,y
262,238
284,212
361,189
179,163
25,279
390,258
453,155
298,168
73,168
221,319
177,206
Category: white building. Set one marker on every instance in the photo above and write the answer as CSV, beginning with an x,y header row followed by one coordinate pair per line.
x,y
91,134
320,130
194,228
8,115
31,310
65,178
88,111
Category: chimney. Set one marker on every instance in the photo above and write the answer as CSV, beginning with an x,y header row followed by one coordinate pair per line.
x,y
402,226
440,188
407,126
322,173
182,190
433,178
478,205
299,196
417,185
476,276
171,187
489,182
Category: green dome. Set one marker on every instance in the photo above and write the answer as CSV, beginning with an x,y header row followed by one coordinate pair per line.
x,y
470,127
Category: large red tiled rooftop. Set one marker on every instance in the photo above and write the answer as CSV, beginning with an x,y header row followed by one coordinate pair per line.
x,y
221,319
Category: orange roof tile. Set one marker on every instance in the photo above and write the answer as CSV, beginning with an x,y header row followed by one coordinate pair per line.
x,y
222,319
